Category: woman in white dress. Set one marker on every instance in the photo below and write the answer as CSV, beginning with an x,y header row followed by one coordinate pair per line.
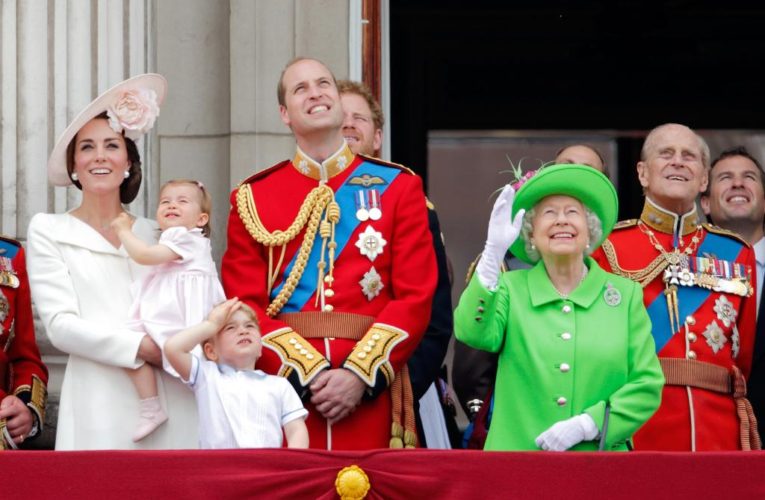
x,y
81,277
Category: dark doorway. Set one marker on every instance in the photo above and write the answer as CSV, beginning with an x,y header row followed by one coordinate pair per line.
x,y
617,65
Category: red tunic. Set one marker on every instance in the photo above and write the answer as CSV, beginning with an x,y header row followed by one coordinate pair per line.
x,y
712,326
22,372
393,302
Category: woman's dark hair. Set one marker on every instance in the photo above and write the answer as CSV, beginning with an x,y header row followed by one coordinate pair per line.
x,y
130,186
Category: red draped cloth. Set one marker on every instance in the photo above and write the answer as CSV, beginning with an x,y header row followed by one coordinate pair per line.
x,y
393,474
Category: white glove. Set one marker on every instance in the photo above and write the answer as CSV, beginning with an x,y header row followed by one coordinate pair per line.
x,y
564,434
502,234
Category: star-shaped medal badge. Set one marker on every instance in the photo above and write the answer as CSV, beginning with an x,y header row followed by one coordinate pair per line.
x,y
725,311
371,243
716,339
371,283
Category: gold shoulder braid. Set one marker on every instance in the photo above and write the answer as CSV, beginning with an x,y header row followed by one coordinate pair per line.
x,y
321,200
643,276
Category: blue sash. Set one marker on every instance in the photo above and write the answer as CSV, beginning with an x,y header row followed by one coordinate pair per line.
x,y
344,197
689,298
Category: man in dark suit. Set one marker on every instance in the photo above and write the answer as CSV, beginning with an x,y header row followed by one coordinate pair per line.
x,y
735,200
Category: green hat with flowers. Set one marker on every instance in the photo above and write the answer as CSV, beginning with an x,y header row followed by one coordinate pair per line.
x,y
590,187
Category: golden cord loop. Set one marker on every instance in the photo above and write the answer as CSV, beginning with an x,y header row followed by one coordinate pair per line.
x,y
643,276
309,216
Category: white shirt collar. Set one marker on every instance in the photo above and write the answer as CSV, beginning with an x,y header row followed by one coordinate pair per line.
x,y
759,251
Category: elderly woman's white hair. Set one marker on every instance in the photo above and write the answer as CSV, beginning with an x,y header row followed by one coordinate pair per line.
x,y
594,229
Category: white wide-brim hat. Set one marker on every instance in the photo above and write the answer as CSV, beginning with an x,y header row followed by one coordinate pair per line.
x,y
57,174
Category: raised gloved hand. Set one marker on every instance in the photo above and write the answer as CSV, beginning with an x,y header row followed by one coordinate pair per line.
x,y
502,234
564,434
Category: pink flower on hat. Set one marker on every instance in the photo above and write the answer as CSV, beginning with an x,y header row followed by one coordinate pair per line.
x,y
522,180
134,112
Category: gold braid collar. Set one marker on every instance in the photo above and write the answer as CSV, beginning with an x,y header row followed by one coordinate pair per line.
x,y
321,199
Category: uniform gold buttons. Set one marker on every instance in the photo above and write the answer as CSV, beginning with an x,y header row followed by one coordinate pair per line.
x,y
692,337
690,320
329,293
361,355
691,355
328,308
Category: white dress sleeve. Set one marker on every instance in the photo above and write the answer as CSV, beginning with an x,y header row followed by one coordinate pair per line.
x,y
181,241
57,303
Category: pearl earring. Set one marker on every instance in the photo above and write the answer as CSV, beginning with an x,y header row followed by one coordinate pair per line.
x,y
127,174
533,246
74,176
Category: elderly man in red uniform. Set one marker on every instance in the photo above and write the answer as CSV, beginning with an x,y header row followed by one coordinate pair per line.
x,y
23,376
334,253
698,283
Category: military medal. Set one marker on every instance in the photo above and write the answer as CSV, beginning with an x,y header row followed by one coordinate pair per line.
x,y
362,213
612,296
8,274
725,311
371,243
375,212
716,339
371,284
735,345
4,308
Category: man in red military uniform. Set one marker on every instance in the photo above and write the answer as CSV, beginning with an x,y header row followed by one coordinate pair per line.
x,y
334,253
23,376
698,283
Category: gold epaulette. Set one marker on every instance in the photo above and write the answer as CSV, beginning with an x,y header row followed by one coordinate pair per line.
x,y
387,163
264,172
372,353
622,224
725,232
429,204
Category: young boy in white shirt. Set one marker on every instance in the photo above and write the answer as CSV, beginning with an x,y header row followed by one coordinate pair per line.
x,y
239,407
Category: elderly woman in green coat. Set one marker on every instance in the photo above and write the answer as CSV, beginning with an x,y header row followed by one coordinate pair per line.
x,y
577,363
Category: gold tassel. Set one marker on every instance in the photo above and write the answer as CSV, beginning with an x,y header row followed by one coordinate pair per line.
x,y
397,434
